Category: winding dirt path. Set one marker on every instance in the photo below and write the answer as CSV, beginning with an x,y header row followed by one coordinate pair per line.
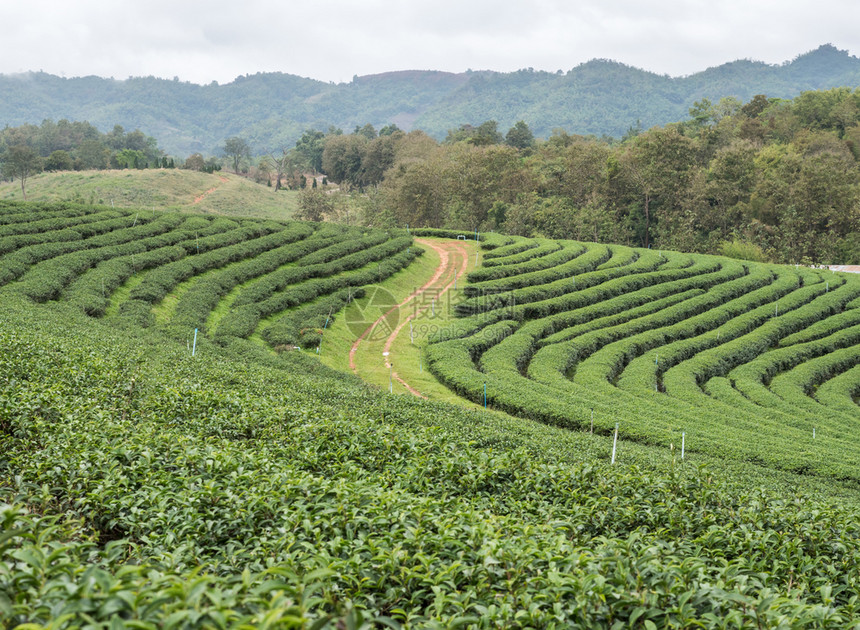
x,y
203,196
453,258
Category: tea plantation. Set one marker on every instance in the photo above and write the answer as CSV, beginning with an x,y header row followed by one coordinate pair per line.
x,y
150,482
737,360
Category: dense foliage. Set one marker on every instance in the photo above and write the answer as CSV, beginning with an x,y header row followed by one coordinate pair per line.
x,y
143,487
67,145
769,180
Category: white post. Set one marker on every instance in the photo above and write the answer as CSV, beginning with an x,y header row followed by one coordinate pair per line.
x,y
194,347
433,305
683,436
614,442
813,433
411,334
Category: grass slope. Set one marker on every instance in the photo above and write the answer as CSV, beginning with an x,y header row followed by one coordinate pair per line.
x,y
163,189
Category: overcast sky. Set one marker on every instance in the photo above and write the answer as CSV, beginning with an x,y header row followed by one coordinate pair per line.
x,y
332,40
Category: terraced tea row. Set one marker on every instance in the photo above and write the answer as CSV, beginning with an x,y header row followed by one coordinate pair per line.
x,y
749,361
143,487
223,277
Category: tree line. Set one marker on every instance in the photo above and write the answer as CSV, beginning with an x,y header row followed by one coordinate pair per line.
x,y
770,179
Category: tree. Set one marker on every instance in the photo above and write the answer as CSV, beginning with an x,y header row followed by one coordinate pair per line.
x,y
487,133
367,131
343,157
388,130
378,158
484,134
310,149
417,191
129,158
284,164
314,205
19,162
520,136
92,154
657,165
236,149
59,160
195,162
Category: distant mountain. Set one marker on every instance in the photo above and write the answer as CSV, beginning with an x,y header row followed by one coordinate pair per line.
x,y
271,110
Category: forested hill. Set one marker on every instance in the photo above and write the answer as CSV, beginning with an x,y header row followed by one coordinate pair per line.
x,y
272,109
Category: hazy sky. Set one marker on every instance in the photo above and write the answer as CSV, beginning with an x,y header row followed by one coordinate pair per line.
x,y
332,40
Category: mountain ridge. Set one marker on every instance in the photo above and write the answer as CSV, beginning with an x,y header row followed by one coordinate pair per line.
x,y
271,110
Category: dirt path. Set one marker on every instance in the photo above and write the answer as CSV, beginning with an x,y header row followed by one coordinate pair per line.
x,y
203,196
453,257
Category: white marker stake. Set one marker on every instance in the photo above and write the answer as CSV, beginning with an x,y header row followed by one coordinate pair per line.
x,y
390,383
411,334
614,442
813,433
683,435
476,259
194,347
433,305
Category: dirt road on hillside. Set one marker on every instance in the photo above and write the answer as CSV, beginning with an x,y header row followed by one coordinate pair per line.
x,y
453,260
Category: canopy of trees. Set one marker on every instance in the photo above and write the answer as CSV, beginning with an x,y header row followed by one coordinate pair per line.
x,y
771,179
66,145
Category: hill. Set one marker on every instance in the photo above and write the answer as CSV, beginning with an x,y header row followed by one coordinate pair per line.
x,y
152,480
271,110
164,189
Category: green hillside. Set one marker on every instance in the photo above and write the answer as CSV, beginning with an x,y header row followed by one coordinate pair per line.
x,y
173,453
219,193
272,110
